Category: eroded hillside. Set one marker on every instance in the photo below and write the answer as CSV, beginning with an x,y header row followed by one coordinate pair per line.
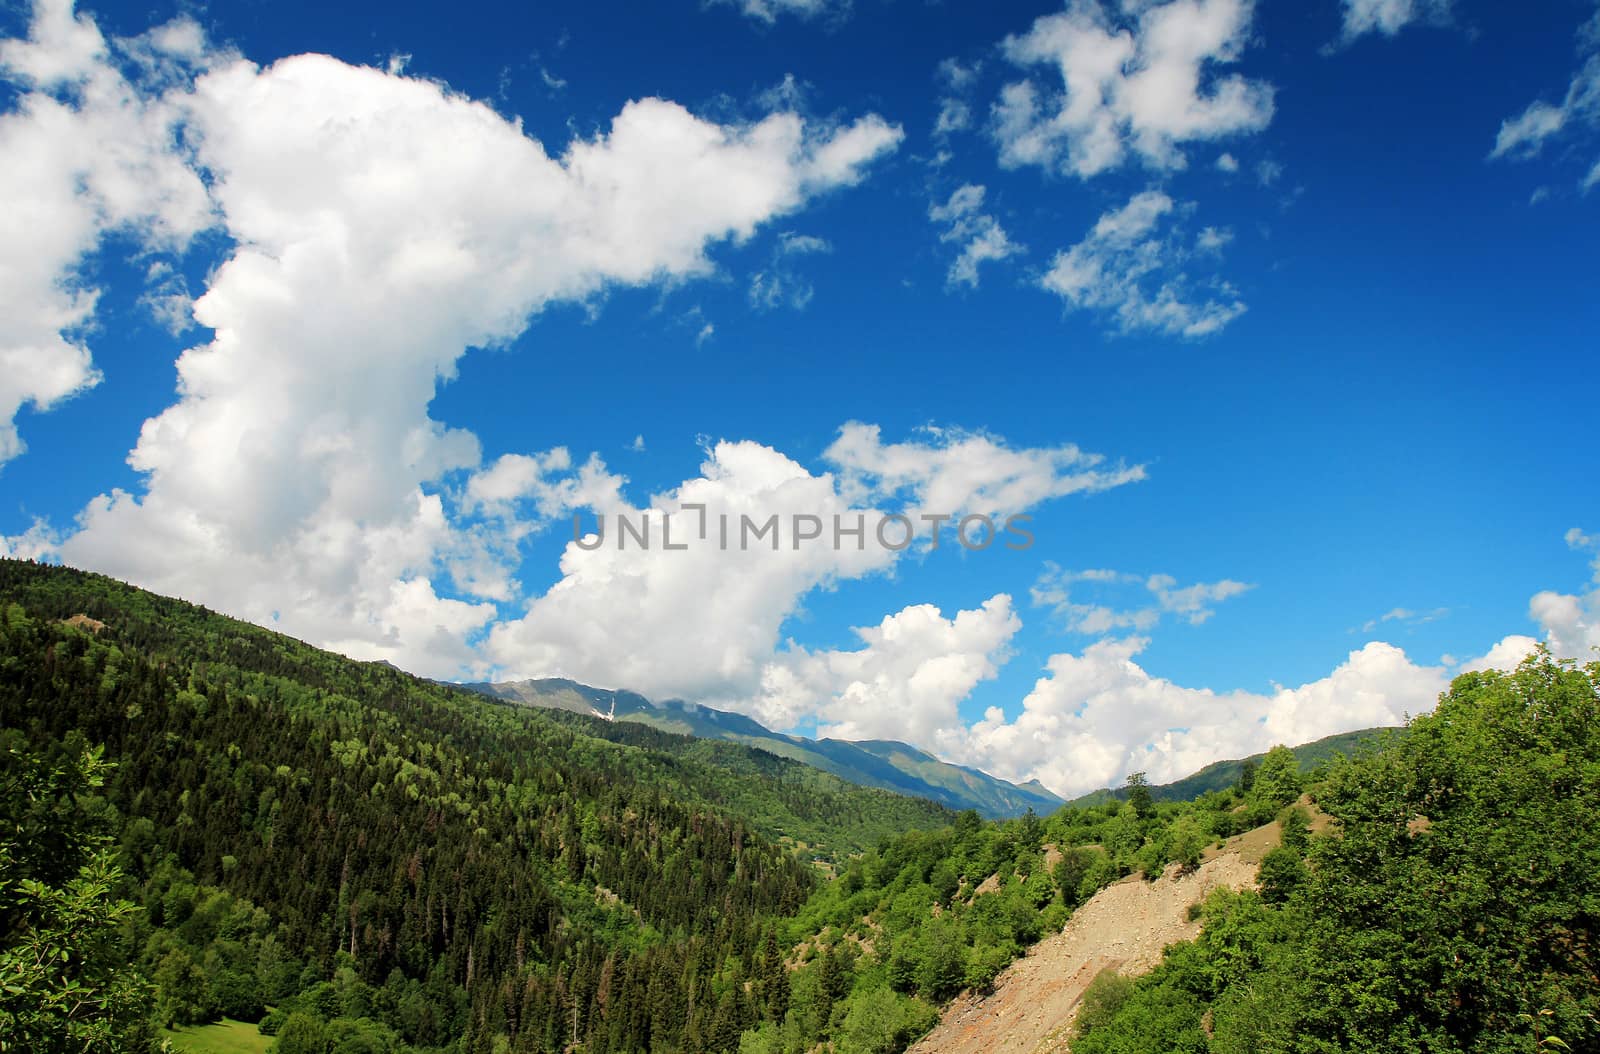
x,y
1124,927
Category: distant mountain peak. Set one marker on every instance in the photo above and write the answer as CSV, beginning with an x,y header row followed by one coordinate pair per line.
x,y
885,763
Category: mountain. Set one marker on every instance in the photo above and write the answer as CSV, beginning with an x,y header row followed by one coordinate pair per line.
x,y
885,764
201,819
391,863
1220,775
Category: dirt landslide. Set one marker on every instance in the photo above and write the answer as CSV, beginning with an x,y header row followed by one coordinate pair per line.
x,y
1125,926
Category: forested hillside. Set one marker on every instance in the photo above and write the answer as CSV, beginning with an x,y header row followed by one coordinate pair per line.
x,y
201,818
915,921
1453,905
377,856
1220,775
1448,903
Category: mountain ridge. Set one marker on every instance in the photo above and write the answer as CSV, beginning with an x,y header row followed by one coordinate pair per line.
x,y
883,763
1226,772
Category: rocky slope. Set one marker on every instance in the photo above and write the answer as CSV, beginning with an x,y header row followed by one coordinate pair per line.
x,y
1124,927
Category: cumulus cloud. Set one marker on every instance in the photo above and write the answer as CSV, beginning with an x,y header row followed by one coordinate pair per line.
x,y
906,682
298,479
1570,622
697,623
1505,655
87,151
1062,591
1131,268
981,237
704,622
1097,716
1576,116
1389,17
38,542
1138,89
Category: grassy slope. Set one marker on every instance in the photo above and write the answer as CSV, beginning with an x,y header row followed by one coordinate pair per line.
x,y
225,1037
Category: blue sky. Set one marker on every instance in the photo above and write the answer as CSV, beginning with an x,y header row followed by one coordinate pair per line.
x,y
1315,281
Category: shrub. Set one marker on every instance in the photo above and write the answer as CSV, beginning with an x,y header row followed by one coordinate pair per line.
x,y
1101,1000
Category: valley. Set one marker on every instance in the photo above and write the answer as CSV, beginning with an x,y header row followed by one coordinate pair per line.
x,y
347,858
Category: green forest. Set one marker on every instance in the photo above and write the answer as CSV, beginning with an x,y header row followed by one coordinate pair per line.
x,y
201,820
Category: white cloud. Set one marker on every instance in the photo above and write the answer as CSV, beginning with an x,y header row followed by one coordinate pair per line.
x,y
792,244
960,472
840,158
1503,656
517,496
1143,89
86,152
545,481
1523,136
1192,602
954,116
955,111
1578,113
1405,616
957,75
1389,17
167,298
1576,539
1212,239
1098,716
38,542
768,11
1156,596
704,623
298,479
699,623
1227,163
980,235
1569,622
781,283
1130,269
906,682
